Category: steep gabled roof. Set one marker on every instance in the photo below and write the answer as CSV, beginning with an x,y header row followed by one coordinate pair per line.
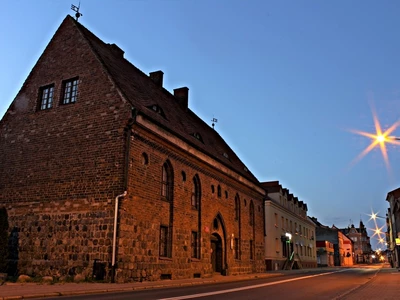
x,y
395,193
142,92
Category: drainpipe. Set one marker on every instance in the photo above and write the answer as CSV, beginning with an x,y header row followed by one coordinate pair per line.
x,y
115,235
128,130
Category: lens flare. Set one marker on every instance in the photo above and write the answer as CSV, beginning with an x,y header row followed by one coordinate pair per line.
x,y
379,138
378,232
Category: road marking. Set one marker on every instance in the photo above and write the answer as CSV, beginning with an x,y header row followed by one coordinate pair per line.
x,y
247,287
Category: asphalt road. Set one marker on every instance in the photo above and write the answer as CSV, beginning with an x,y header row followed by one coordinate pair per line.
x,y
312,285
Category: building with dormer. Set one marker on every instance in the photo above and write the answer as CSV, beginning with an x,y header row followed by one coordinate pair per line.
x,y
106,174
289,234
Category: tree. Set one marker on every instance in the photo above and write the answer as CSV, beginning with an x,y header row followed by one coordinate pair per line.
x,y
3,239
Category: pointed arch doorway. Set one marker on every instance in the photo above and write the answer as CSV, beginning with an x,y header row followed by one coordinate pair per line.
x,y
218,246
216,254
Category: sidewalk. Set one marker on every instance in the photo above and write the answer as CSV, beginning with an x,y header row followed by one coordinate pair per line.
x,y
384,286
12,291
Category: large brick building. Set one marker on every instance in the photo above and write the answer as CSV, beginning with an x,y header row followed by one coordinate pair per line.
x,y
91,141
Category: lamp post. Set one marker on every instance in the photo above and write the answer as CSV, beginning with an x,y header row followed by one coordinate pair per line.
x,y
383,138
394,138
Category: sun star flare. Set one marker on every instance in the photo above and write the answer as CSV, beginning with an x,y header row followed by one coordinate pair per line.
x,y
379,138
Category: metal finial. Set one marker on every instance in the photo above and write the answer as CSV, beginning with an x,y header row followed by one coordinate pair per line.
x,y
76,10
214,120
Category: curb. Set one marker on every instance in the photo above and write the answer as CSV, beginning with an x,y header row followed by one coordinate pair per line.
x,y
138,288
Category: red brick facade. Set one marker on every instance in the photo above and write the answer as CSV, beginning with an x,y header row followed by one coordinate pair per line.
x,y
62,168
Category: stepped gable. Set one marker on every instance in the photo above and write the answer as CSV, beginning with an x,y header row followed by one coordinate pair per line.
x,y
142,92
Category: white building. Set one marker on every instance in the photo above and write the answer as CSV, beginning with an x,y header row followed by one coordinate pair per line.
x,y
289,234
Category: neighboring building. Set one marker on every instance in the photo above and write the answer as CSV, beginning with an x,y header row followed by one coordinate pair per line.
x,y
325,254
289,234
361,243
393,227
348,251
91,142
342,246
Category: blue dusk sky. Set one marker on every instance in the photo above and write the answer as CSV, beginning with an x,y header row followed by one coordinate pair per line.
x,y
287,81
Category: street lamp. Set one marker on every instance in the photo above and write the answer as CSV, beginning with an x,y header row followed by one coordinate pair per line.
x,y
381,138
375,216
394,138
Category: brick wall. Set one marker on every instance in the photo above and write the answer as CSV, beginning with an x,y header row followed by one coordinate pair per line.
x,y
144,210
62,168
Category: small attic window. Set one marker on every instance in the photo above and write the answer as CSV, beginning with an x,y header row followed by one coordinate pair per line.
x,y
225,155
198,136
70,90
46,97
156,108
245,169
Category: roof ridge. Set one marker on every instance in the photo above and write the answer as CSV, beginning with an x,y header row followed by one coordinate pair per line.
x,y
135,87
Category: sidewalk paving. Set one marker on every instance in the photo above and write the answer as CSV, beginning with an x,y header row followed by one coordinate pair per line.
x,y
12,291
383,286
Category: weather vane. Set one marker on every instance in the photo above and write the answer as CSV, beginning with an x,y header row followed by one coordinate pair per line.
x,y
76,9
214,120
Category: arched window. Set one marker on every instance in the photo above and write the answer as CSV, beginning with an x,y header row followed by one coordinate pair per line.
x,y
237,207
167,181
196,192
145,159
251,213
183,176
219,191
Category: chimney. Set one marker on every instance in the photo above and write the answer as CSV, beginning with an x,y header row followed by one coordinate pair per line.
x,y
117,50
182,95
157,77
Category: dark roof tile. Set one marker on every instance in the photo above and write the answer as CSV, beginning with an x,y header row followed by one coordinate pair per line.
x,y
141,91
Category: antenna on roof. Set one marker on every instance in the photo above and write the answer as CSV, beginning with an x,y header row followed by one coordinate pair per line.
x,y
214,120
76,9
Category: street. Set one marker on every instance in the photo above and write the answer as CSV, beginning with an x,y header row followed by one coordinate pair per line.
x,y
315,284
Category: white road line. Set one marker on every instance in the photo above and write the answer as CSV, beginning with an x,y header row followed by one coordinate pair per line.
x,y
247,287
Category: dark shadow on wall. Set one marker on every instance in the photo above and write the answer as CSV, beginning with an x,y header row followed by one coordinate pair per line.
x,y
3,239
13,252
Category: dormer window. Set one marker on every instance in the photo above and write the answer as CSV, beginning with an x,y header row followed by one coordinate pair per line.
x,y
198,136
156,108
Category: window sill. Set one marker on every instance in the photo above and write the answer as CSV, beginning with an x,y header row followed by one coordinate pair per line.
x,y
195,259
165,258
